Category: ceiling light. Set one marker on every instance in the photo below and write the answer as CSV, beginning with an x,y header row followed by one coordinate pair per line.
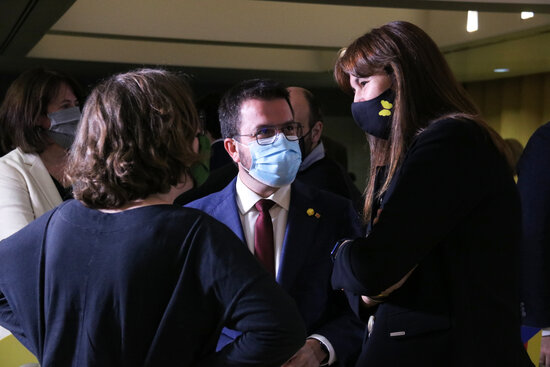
x,y
527,14
501,70
471,24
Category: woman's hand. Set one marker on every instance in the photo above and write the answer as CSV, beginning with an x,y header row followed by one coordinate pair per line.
x,y
373,301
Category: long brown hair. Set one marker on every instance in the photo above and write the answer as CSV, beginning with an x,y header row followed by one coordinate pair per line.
x,y
426,91
135,139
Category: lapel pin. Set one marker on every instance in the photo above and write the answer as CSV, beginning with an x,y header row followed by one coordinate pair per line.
x,y
311,213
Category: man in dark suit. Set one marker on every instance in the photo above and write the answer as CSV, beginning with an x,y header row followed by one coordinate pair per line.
x,y
262,137
317,169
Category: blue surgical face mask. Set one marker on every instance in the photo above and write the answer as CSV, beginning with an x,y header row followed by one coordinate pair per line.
x,y
64,124
375,115
276,164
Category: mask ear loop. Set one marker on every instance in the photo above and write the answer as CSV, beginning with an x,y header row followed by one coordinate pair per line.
x,y
240,163
306,134
302,141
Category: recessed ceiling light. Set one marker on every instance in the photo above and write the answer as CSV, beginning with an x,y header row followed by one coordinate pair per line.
x,y
527,14
471,23
501,70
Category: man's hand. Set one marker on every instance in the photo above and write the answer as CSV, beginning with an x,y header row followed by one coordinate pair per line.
x,y
544,359
310,355
369,302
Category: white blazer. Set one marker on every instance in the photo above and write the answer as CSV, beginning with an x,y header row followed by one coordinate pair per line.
x,y
26,191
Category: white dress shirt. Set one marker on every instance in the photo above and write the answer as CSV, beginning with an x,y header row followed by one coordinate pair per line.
x,y
246,199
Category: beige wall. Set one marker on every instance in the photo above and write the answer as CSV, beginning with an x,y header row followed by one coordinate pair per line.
x,y
514,107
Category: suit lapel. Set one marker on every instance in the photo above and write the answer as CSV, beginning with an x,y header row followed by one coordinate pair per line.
x,y
300,234
42,180
227,211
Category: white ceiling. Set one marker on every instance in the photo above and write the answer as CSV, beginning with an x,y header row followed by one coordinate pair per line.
x,y
232,37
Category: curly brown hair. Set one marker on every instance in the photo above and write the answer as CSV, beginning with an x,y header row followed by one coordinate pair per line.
x,y
135,139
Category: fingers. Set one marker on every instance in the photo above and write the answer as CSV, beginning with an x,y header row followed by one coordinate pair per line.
x,y
377,216
369,302
544,358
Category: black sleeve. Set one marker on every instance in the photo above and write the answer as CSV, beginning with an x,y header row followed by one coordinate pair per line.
x,y
253,303
342,328
438,184
534,188
29,243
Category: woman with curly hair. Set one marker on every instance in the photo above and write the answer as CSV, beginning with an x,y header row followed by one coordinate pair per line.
x,y
121,276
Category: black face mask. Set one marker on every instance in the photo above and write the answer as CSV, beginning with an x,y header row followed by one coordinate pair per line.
x,y
375,115
305,149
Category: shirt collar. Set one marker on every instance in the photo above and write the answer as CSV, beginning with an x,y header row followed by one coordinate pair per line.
x,y
246,198
316,154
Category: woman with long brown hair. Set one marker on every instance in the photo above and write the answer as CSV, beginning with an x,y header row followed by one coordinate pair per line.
x,y
436,275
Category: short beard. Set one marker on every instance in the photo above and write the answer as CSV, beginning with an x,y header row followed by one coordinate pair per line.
x,y
306,147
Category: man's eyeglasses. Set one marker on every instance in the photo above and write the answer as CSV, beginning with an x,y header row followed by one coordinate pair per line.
x,y
268,135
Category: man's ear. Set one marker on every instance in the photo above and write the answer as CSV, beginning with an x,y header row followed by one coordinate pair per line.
x,y
231,148
316,132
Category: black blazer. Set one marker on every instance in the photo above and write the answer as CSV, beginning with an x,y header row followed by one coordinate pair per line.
x,y
150,286
327,174
534,188
454,211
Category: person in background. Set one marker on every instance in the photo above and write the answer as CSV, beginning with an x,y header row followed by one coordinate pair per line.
x,y
316,168
289,226
439,267
120,276
336,151
38,121
515,150
222,169
534,190
208,113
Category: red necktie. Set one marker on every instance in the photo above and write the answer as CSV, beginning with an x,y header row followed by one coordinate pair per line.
x,y
263,236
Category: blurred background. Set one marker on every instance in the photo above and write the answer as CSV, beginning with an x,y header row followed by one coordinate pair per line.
x,y
505,64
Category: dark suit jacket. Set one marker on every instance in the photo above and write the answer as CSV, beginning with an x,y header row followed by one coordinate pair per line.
x,y
327,174
216,181
454,211
306,265
534,188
